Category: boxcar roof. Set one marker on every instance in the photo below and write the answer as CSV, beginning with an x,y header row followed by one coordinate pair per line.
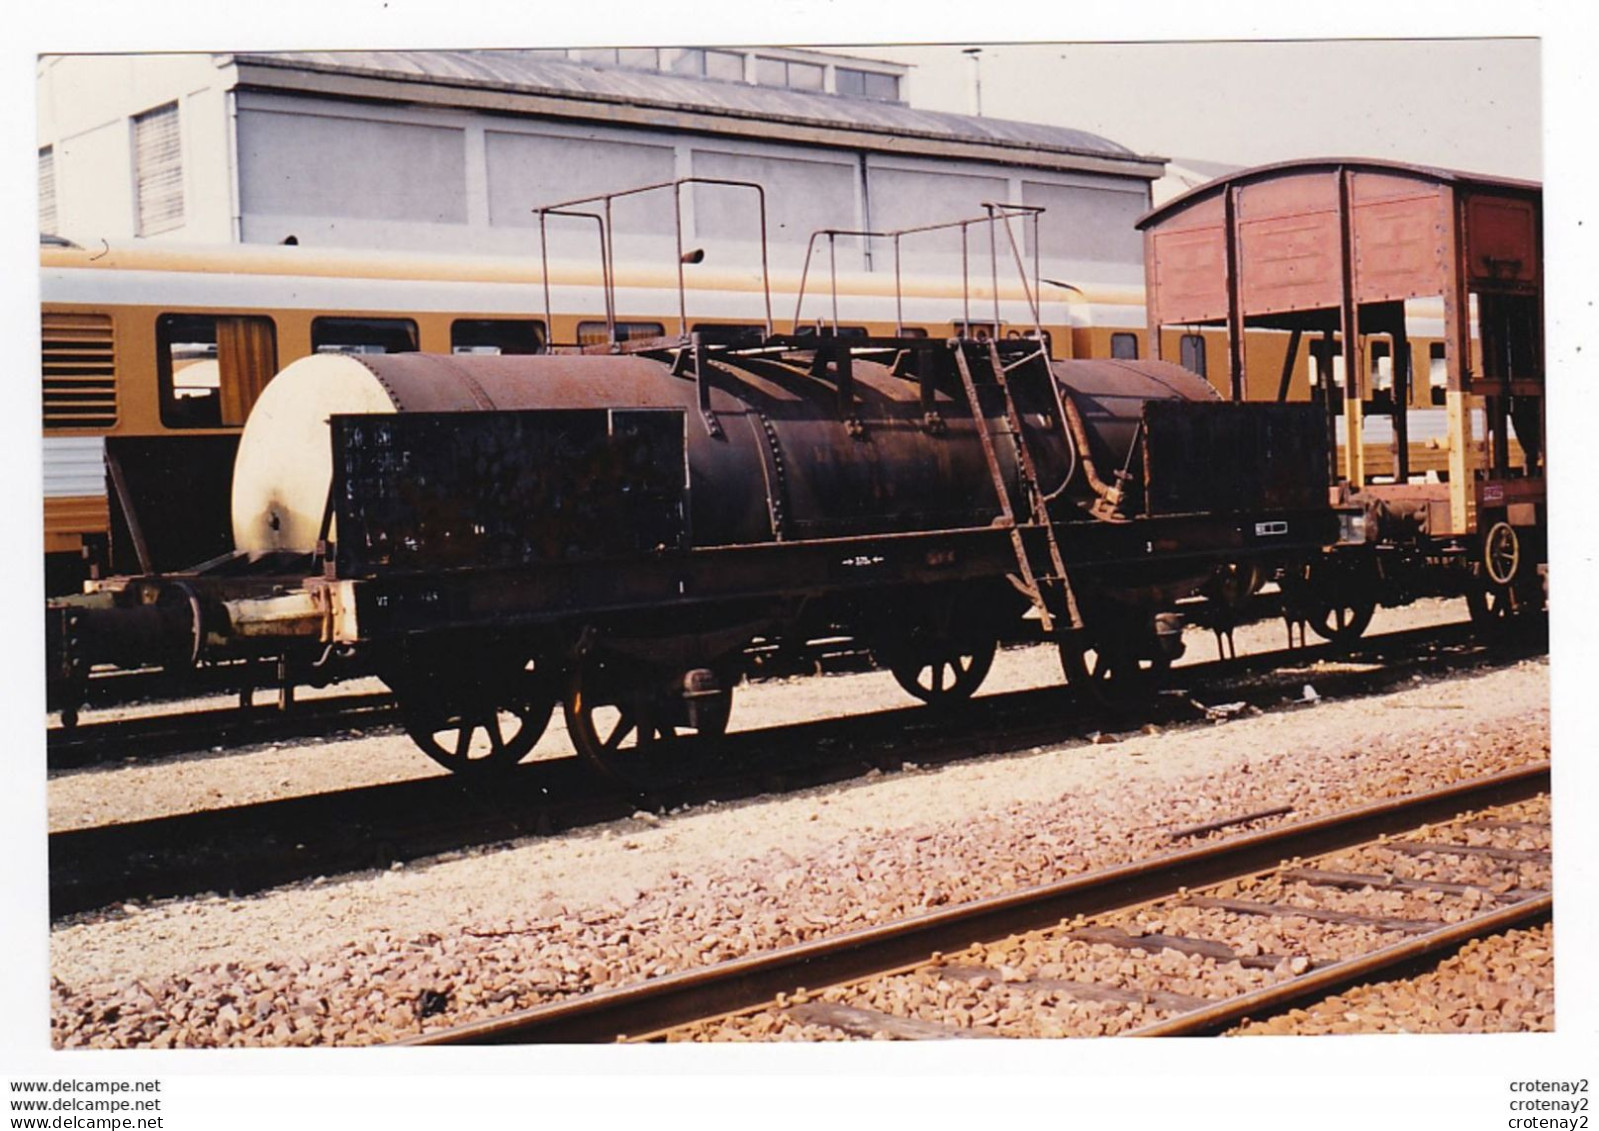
x,y
1359,164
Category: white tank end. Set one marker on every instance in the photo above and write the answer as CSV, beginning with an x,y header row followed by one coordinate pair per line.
x,y
285,462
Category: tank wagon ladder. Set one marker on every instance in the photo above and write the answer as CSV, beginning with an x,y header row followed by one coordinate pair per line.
x,y
1035,582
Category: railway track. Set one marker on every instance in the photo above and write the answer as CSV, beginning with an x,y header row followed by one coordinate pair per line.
x,y
215,729
1007,961
220,730
248,848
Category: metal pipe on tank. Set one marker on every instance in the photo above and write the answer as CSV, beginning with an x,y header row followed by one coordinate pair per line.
x,y
1079,436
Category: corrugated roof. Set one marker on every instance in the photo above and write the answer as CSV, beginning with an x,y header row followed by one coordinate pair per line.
x,y
534,73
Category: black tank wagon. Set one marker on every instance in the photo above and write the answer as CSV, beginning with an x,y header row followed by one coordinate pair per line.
x,y
615,530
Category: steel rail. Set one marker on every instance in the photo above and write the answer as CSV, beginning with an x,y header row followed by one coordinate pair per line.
x,y
679,999
156,735
244,848
148,736
1322,982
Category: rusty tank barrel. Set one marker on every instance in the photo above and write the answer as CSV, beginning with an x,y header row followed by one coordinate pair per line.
x,y
781,460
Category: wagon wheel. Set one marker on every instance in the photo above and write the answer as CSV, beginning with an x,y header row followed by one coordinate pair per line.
x,y
1336,599
1501,553
1491,606
1110,673
1235,583
478,726
633,727
949,675
1342,620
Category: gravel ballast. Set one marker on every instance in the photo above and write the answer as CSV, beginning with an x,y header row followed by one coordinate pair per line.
x,y
373,957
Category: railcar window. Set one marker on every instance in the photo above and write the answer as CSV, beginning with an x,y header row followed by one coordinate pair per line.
x,y
595,333
913,331
210,368
1124,347
496,335
1318,352
1437,372
977,331
829,331
363,335
724,333
1192,353
1380,372
1049,342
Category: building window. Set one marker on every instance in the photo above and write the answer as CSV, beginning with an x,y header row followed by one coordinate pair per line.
x,y
1124,347
496,336
595,333
47,190
648,58
781,72
727,65
363,335
806,76
685,61
212,368
158,170
866,84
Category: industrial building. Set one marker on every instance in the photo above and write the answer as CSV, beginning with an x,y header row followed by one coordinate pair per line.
x,y
450,151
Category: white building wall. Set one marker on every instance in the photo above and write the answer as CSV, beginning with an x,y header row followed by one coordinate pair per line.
x,y
86,110
331,172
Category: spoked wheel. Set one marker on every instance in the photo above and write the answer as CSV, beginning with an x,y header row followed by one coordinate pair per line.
x,y
1342,620
1336,597
1111,674
1500,593
947,676
1234,584
1501,554
633,725
480,726
1491,606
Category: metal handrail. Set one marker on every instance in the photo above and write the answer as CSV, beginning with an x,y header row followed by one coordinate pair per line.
x,y
608,244
994,212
